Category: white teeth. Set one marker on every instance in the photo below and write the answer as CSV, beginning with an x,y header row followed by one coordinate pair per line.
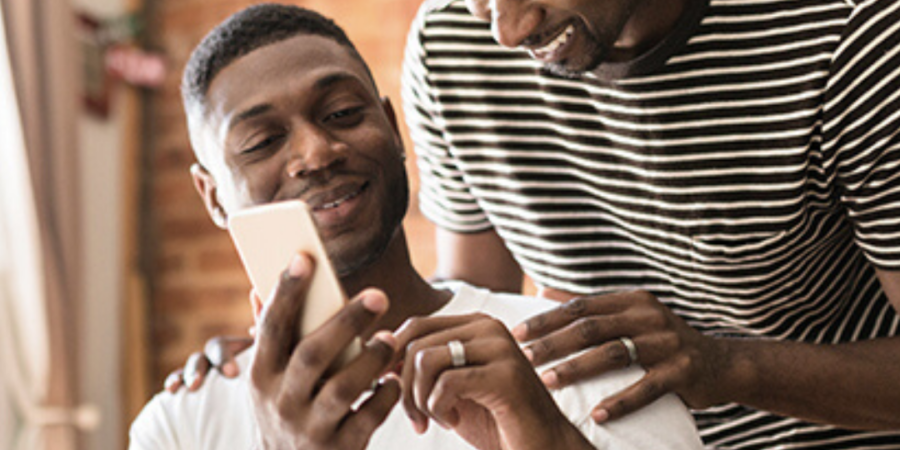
x,y
556,43
338,202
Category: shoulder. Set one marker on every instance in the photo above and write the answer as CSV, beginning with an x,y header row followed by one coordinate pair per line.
x,y
666,423
445,14
215,417
505,307
442,6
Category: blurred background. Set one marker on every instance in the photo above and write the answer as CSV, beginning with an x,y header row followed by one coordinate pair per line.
x,y
111,273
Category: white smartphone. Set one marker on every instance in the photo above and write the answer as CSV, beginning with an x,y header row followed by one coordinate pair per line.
x,y
267,237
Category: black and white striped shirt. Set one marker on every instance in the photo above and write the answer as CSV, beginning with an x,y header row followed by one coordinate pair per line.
x,y
746,171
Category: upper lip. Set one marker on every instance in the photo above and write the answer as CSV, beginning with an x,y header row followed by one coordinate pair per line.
x,y
319,198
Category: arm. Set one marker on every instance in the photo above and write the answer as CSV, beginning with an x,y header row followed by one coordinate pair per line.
x,y
480,259
851,385
848,385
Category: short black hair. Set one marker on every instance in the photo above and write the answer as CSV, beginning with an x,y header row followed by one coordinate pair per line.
x,y
246,31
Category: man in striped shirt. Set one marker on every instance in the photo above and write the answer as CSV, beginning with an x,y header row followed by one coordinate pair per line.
x,y
718,180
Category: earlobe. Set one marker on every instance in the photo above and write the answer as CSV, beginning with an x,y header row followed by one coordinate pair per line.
x,y
205,185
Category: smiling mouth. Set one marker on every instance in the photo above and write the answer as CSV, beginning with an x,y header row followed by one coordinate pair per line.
x,y
342,197
548,49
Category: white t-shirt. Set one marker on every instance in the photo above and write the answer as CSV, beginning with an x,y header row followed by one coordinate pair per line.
x,y
220,415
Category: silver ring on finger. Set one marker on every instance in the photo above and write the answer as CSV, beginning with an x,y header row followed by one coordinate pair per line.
x,y
631,349
457,353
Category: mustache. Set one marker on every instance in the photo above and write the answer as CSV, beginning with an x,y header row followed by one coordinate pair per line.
x,y
322,186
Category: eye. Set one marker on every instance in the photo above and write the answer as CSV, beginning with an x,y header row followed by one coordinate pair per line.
x,y
345,117
267,142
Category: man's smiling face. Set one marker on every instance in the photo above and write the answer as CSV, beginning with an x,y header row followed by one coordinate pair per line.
x,y
568,36
301,119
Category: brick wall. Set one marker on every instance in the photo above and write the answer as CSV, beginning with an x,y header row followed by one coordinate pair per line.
x,y
198,288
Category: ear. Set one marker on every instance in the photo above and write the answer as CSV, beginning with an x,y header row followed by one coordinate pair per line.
x,y
256,304
206,188
389,112
392,118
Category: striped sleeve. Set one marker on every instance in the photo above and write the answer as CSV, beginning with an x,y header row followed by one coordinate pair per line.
x,y
444,195
862,128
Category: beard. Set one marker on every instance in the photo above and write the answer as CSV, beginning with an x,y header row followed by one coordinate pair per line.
x,y
380,237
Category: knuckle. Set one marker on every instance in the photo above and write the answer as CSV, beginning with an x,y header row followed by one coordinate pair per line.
x,y
543,348
588,329
284,407
576,307
357,319
643,296
536,323
567,369
657,319
341,393
651,389
620,407
310,355
617,354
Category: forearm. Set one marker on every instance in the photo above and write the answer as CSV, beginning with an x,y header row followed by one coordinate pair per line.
x,y
848,385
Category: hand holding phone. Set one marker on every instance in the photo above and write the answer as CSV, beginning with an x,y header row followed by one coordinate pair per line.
x,y
267,237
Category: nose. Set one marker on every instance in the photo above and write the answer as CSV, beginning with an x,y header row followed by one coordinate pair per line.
x,y
312,150
512,21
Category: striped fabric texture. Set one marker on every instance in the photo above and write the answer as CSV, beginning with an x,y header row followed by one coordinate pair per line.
x,y
746,171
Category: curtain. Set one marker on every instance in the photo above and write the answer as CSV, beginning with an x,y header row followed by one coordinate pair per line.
x,y
39,279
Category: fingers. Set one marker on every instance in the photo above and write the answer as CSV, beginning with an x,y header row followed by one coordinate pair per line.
x,y
318,351
423,336
607,357
437,383
428,359
359,427
650,388
222,350
279,324
195,370
550,321
174,381
337,396
577,335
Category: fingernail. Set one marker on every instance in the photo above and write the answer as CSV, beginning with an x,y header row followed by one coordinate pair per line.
x,y
297,267
374,302
171,381
600,415
387,337
519,331
529,353
230,370
189,379
550,379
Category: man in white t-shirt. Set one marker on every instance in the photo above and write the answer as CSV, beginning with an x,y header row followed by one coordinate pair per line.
x,y
281,106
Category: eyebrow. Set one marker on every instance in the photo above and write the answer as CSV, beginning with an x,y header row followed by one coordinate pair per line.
x,y
255,111
320,85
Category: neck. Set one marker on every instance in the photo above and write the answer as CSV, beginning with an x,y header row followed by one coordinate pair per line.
x,y
409,294
650,23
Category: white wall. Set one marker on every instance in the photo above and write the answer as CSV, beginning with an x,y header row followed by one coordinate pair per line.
x,y
101,174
